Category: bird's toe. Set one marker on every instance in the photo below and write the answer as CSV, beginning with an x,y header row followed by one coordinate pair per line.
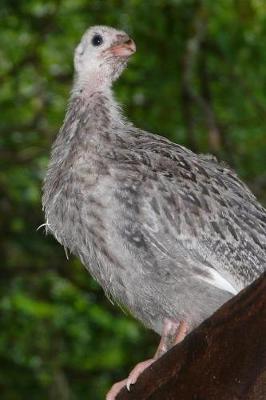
x,y
137,370
115,389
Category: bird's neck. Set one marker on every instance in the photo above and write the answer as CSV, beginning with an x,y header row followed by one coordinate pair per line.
x,y
91,121
89,82
94,108
90,117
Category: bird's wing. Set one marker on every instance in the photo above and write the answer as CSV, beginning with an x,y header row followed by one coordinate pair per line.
x,y
194,209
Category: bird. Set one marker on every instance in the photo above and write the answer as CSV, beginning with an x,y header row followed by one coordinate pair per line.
x,y
169,234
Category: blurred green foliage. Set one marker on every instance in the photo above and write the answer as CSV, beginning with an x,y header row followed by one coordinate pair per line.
x,y
198,77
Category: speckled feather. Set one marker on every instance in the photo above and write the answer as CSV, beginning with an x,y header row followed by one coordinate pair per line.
x,y
167,233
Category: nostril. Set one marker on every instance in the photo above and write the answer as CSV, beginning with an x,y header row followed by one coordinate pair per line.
x,y
129,41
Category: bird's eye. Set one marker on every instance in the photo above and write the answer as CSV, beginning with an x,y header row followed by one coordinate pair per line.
x,y
97,40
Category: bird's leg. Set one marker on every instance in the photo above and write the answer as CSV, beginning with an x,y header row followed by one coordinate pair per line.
x,y
173,333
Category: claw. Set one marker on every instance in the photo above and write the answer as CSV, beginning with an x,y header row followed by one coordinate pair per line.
x,y
135,373
131,380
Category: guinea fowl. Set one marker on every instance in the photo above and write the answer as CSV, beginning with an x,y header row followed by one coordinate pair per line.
x,y
168,234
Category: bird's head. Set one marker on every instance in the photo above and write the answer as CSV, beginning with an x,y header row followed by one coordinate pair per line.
x,y
102,55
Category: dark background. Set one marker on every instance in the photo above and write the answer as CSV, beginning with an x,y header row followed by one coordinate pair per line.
x,y
198,77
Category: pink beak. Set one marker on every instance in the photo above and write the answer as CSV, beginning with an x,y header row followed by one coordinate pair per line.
x,y
123,49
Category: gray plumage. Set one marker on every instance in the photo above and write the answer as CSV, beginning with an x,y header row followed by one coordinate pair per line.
x,y
167,233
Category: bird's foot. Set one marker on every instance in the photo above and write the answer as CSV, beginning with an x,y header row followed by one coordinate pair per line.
x,y
173,333
130,380
136,371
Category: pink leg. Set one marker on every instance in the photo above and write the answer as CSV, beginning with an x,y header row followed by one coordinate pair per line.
x,y
181,332
170,331
173,333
